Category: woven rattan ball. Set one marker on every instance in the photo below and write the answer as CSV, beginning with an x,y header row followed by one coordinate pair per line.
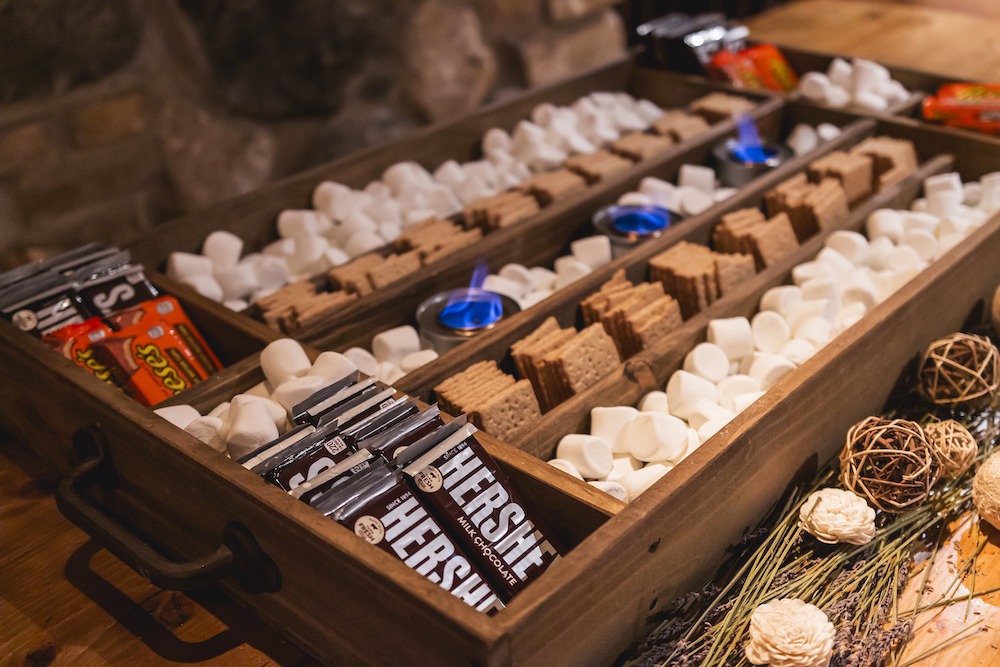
x,y
954,445
986,490
960,368
890,463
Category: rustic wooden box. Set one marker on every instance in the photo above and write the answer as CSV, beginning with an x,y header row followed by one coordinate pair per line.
x,y
348,602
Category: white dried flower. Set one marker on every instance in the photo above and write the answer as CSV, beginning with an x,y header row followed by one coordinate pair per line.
x,y
790,633
834,515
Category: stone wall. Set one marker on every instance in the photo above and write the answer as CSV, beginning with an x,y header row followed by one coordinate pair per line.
x,y
185,103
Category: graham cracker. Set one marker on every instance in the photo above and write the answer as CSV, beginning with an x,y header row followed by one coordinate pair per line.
x,y
655,322
353,277
553,186
511,412
733,270
641,146
854,172
394,267
502,210
828,203
318,307
428,232
431,254
597,166
680,125
586,359
716,107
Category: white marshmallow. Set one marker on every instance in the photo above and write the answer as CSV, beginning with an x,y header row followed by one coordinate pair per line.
x,y
799,313
393,345
542,278
568,270
496,139
248,431
283,248
837,97
607,423
743,401
707,360
293,224
384,211
449,173
944,203
237,281
640,480
770,331
621,465
494,283
814,85
415,360
948,241
293,391
816,330
378,191
363,243
406,174
827,131
707,410
283,359
388,372
635,199
951,181
913,220
781,298
802,139
859,288
694,441
654,401
871,101
885,222
959,223
594,251
696,176
566,467
223,248
182,265
809,270
260,390
695,201
923,242
207,286
178,415
654,436
867,75
533,298
840,73
797,351
848,317
518,274
590,455
442,201
661,192
685,390
733,335
822,288
331,367
722,194
878,252
904,258
208,430
733,386
613,489
711,427
308,251
271,272
648,111
767,369
363,359
236,305
840,264
746,362
389,231
894,92
333,199
852,245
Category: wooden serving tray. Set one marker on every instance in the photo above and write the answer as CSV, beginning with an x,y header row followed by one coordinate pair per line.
x,y
347,602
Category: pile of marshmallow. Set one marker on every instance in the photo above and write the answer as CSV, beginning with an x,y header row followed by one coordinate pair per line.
x,y
263,413
863,83
395,352
346,223
628,449
696,191
804,138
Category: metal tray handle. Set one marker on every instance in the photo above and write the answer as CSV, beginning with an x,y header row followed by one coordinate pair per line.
x,y
238,554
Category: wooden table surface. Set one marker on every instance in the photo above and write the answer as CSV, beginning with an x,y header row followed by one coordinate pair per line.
x,y
66,601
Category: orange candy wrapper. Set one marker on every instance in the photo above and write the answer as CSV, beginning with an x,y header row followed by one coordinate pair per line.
x,y
760,67
74,342
972,105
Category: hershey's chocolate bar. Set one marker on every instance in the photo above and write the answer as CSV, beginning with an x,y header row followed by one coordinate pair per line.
x,y
485,513
381,509
406,432
315,458
276,446
117,291
314,488
309,410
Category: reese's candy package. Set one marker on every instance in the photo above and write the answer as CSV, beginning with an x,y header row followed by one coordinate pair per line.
x,y
972,105
74,342
382,510
483,511
169,310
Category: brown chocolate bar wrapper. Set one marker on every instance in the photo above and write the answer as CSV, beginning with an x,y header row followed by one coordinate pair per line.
x,y
483,511
389,515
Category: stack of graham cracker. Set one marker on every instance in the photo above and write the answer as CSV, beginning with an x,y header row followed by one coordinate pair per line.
x,y
552,186
641,146
560,363
810,206
696,276
680,125
748,232
716,107
635,316
597,166
498,211
893,159
298,305
435,238
853,170
494,401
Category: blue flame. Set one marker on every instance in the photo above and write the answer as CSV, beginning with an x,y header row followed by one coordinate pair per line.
x,y
474,307
640,220
749,148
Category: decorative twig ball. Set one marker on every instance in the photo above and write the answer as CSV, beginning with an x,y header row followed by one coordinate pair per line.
x,y
960,368
986,490
890,463
955,447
